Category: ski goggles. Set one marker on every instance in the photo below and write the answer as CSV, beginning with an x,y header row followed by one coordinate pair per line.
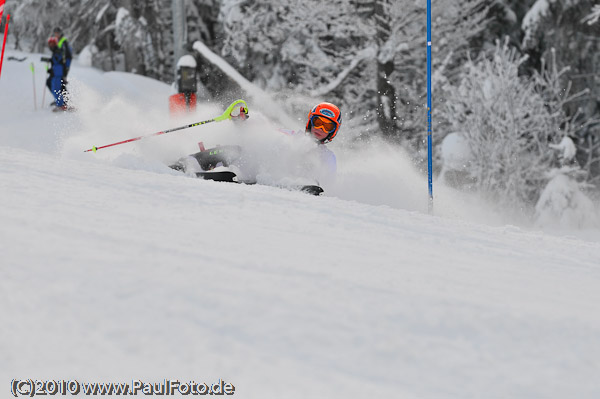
x,y
320,122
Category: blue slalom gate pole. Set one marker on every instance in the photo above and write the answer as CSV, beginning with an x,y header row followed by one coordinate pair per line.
x,y
429,156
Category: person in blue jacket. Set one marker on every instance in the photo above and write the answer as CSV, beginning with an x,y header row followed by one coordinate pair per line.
x,y
56,78
65,50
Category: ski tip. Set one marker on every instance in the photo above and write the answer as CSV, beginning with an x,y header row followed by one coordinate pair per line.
x,y
312,190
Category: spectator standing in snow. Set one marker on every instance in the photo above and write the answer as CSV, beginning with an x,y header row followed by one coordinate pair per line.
x,y
65,50
55,81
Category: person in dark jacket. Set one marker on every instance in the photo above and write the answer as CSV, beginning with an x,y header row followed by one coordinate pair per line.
x,y
55,81
64,48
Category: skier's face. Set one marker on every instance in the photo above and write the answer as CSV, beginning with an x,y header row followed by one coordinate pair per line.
x,y
319,133
322,127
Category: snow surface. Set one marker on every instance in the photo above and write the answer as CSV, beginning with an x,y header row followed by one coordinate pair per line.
x,y
115,267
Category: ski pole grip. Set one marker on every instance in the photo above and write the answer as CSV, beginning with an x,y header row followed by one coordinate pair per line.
x,y
227,114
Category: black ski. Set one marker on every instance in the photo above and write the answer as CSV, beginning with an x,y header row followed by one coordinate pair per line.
x,y
225,156
312,190
226,176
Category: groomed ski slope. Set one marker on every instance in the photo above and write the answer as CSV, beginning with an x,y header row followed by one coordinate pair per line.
x,y
113,268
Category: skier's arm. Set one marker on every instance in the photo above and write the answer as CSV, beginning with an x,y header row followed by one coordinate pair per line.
x,y
65,60
68,56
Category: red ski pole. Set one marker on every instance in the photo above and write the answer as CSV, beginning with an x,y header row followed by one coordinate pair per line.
x,y
4,42
225,116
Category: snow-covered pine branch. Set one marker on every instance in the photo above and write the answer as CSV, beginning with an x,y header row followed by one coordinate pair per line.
x,y
509,123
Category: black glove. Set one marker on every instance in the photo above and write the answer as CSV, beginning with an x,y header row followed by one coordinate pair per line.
x,y
46,59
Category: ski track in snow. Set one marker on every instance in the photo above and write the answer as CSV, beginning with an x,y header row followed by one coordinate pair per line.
x,y
115,267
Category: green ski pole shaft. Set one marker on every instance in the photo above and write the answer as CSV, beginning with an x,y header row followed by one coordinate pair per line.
x,y
34,94
44,92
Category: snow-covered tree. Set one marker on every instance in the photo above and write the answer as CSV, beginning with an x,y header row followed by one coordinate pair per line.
x,y
34,20
509,123
279,44
386,92
128,35
202,20
568,30
117,34
302,54
594,16
563,202
134,40
505,17
368,55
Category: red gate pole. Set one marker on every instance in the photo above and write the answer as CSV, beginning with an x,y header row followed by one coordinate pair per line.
x,y
1,8
4,41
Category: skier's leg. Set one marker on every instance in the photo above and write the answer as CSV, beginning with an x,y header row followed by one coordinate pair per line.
x,y
49,86
219,156
63,89
56,86
209,159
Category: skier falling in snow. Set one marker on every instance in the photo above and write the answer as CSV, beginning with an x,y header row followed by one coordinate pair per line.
x,y
227,162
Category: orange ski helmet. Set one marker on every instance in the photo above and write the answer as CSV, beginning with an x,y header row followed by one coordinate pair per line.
x,y
324,121
52,41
